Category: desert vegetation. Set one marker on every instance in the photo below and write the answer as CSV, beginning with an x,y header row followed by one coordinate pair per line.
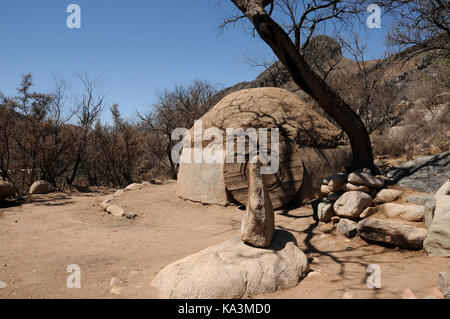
x,y
47,136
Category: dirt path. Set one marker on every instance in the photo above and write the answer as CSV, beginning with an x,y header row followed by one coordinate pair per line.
x,y
40,239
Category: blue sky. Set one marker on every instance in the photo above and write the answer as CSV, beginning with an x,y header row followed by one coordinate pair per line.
x,y
138,46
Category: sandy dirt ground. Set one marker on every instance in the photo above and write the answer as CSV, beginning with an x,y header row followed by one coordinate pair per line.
x,y
39,239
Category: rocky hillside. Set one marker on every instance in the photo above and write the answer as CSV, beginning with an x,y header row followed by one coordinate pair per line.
x,y
411,71
402,99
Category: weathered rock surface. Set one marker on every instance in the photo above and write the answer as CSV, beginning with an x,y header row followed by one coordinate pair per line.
x,y
350,187
425,174
234,270
352,204
6,190
365,179
258,224
444,190
116,211
40,187
347,227
413,213
134,187
420,199
369,211
392,233
437,243
387,196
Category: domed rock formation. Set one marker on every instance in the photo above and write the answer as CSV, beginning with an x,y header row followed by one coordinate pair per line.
x,y
309,149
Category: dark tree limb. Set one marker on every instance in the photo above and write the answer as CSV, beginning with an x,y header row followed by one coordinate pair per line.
x,y
309,81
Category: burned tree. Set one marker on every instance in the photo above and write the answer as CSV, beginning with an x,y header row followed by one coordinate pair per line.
x,y
290,52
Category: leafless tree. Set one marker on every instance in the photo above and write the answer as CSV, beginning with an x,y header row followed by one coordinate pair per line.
x,y
417,21
177,108
89,106
288,42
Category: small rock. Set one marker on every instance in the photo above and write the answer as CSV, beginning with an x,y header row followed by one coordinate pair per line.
x,y
335,219
314,274
315,261
325,212
355,188
408,294
327,228
40,187
387,196
365,179
352,204
347,227
369,211
116,211
325,190
106,204
337,182
6,190
131,215
347,241
3,285
420,199
115,282
116,291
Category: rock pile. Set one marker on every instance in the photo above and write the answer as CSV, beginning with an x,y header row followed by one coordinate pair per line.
x,y
356,197
6,190
40,187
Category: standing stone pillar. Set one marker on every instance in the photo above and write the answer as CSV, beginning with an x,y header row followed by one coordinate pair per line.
x,y
258,225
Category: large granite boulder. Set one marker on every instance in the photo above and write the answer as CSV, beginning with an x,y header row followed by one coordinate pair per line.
x,y
234,270
387,196
40,187
365,179
352,204
425,174
314,145
392,233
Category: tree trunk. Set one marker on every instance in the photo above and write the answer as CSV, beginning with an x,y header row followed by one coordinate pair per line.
x,y
310,82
